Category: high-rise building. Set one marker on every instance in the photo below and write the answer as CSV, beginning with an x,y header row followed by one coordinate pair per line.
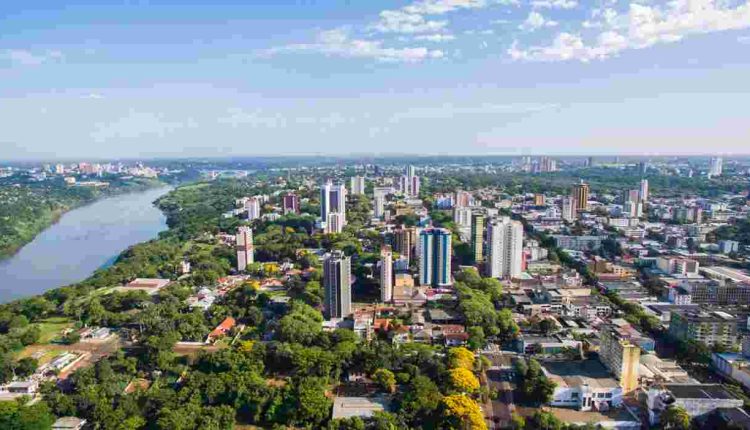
x,y
435,257
633,209
538,199
252,208
379,206
386,274
245,248
290,204
411,171
357,185
581,195
405,240
409,183
462,216
504,248
715,167
334,223
643,192
477,237
332,199
337,285
642,167
632,196
620,356
568,209
415,184
463,199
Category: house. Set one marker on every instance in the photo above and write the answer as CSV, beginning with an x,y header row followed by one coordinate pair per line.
x,y
68,423
221,330
29,387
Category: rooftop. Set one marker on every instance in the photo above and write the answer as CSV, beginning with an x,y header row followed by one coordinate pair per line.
x,y
577,373
347,407
698,391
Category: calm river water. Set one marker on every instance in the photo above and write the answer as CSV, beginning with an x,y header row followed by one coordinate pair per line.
x,y
83,240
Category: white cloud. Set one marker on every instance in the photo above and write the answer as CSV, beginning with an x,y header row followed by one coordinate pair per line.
x,y
744,40
535,21
23,57
554,4
435,37
339,43
397,21
642,27
449,110
93,96
440,7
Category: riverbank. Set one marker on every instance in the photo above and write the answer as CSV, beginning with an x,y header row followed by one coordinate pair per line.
x,y
28,211
81,242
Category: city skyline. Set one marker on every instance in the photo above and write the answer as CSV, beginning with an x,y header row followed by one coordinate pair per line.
x,y
193,79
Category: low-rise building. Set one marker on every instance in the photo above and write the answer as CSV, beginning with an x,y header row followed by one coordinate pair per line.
x,y
709,328
698,400
584,385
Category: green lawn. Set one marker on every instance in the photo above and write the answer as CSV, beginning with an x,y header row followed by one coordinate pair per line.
x,y
52,327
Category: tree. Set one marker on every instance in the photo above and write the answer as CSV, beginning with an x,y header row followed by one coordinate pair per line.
x,y
461,357
461,411
463,380
386,379
420,399
675,417
476,337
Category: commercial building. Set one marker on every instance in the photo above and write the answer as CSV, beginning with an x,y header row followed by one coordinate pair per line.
x,y
643,194
244,247
584,385
386,274
580,194
504,248
435,257
337,285
728,246
578,243
290,204
698,400
677,265
708,328
620,356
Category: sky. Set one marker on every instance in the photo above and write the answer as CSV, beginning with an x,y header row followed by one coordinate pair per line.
x,y
167,78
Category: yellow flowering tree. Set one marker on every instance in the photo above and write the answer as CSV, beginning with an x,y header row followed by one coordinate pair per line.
x,y
461,357
463,380
462,412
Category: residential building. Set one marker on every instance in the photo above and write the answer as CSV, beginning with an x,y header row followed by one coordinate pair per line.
x,y
464,199
357,185
386,274
244,247
378,206
290,204
708,328
715,167
334,223
578,243
252,208
580,194
332,199
504,248
462,216
569,211
643,191
477,237
435,257
538,199
677,265
405,241
620,356
337,285
728,246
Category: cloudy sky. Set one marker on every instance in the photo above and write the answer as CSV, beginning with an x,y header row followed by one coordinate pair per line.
x,y
187,78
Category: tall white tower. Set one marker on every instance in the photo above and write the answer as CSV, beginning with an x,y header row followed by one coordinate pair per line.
x,y
386,274
504,248
245,248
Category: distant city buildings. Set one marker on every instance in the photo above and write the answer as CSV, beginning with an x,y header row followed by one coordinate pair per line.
x,y
244,247
435,257
337,285
715,167
504,248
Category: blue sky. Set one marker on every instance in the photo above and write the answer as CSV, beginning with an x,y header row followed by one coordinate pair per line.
x,y
188,78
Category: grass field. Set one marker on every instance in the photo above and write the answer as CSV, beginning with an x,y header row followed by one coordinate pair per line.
x,y
52,327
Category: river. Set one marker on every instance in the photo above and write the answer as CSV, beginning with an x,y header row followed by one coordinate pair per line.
x,y
82,241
